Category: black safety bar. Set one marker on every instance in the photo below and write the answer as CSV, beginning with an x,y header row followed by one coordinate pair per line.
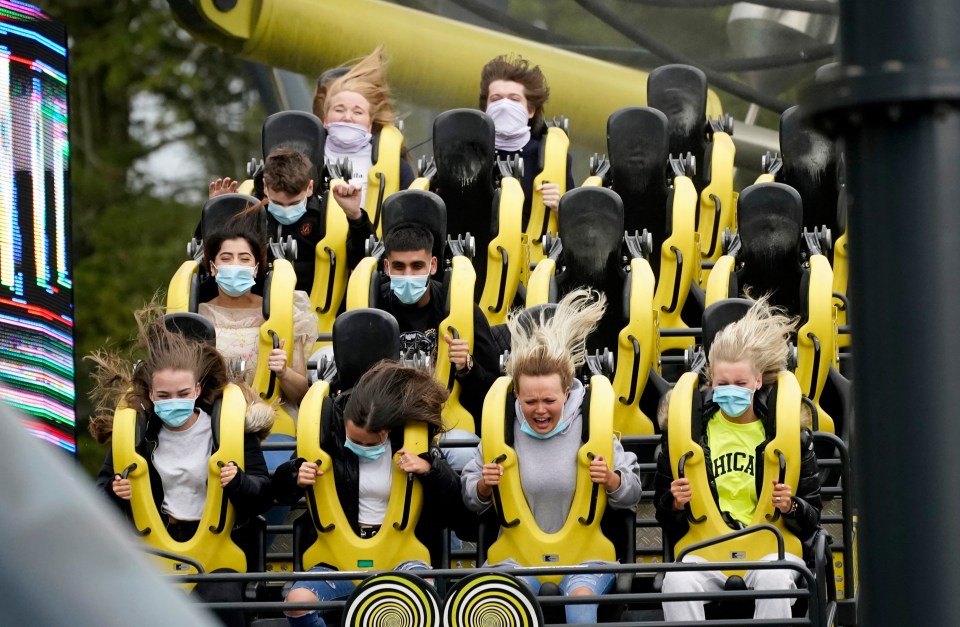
x,y
675,299
498,502
634,372
681,474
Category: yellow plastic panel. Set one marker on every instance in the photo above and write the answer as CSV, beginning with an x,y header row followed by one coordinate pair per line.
x,y
459,322
718,285
501,282
580,538
841,275
821,327
211,545
337,544
358,288
721,187
538,288
330,269
178,292
388,164
636,348
679,264
283,280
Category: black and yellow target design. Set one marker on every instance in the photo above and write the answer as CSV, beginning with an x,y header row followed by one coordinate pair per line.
x,y
491,600
393,600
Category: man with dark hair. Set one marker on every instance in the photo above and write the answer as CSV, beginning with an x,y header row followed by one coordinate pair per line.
x,y
417,302
513,94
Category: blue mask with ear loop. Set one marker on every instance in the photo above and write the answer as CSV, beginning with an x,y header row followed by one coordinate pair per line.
x,y
287,215
733,399
174,412
235,280
368,453
409,288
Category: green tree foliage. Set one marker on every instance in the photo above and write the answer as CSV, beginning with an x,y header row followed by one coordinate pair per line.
x,y
130,234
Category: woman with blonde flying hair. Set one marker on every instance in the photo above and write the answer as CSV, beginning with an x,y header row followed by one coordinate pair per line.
x,y
744,361
545,352
175,386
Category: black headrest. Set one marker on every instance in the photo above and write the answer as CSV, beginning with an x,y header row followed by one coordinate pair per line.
x,y
810,167
463,146
222,211
770,216
361,338
192,326
638,145
298,130
680,91
720,314
419,207
590,222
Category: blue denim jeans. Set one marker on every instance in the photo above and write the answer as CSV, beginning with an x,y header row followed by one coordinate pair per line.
x,y
597,583
334,589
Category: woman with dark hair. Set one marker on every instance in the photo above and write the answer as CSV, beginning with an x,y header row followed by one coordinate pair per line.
x,y
175,385
236,258
368,429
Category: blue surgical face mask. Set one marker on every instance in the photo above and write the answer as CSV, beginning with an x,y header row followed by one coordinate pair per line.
x,y
409,288
174,412
368,453
559,428
235,280
733,399
289,214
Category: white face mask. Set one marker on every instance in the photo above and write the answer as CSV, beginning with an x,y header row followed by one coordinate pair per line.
x,y
510,118
348,137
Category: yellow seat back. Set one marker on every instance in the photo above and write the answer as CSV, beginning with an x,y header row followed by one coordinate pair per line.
x,y
337,544
383,177
457,324
211,546
707,522
505,254
330,266
679,264
636,348
817,338
580,538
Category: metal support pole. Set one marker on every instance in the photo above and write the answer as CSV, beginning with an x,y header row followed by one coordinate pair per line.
x,y
894,100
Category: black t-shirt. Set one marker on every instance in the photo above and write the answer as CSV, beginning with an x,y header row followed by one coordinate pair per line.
x,y
418,328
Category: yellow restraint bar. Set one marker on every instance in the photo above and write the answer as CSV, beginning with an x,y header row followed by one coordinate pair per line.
x,y
841,274
337,544
555,148
279,326
720,190
360,284
636,347
330,269
538,286
387,167
679,264
505,254
457,324
580,538
211,546
817,338
179,290
704,508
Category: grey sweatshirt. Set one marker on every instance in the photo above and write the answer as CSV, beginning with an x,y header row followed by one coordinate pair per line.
x,y
548,469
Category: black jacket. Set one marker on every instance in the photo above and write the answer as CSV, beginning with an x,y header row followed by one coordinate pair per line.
x,y
804,523
475,383
442,506
249,491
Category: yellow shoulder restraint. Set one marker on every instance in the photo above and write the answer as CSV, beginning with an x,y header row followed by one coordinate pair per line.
x,y
383,178
679,264
180,288
330,269
580,538
555,148
636,346
278,326
337,544
211,546
505,254
459,325
781,461
817,338
718,200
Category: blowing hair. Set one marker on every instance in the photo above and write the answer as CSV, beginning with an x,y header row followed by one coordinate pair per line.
x,y
517,69
367,77
760,338
119,381
323,83
391,395
287,171
557,343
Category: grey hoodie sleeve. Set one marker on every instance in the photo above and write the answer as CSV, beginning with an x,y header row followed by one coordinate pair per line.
x,y
628,494
469,477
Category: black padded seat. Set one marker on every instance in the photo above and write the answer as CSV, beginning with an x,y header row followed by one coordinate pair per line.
x,y
361,338
300,131
810,167
680,91
770,220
